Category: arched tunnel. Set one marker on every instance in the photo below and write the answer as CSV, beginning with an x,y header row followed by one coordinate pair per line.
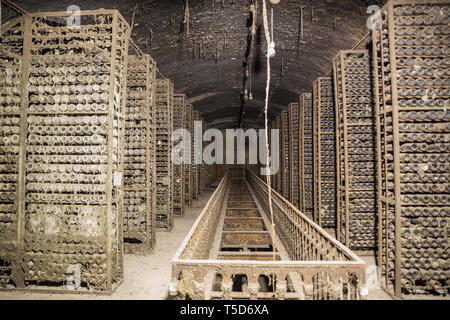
x,y
113,185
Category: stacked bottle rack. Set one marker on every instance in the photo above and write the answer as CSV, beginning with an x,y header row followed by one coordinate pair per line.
x,y
355,143
285,173
164,166
179,122
195,165
280,154
306,153
411,41
203,167
12,131
139,172
273,178
294,153
271,127
324,153
66,150
189,126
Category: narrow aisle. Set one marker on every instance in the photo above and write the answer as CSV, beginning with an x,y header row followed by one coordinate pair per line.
x,y
245,235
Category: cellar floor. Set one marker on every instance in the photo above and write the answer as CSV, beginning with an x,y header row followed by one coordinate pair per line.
x,y
147,277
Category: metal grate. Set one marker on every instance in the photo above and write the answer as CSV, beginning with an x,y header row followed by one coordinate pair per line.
x,y
294,153
188,168
195,166
285,173
179,121
67,157
411,41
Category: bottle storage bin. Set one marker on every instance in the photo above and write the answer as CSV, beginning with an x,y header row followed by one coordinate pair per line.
x,y
140,170
411,40
63,145
324,153
355,144
164,165
280,154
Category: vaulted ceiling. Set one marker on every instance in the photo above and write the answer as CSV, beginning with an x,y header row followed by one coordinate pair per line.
x,y
207,63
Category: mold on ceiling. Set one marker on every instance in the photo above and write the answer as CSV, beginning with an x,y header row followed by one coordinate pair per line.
x,y
202,47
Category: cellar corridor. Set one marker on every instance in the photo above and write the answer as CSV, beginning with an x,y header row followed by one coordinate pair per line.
x,y
225,149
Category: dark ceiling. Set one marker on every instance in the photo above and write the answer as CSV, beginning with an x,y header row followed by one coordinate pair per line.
x,y
207,64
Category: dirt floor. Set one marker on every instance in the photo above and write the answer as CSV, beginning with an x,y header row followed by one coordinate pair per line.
x,y
147,277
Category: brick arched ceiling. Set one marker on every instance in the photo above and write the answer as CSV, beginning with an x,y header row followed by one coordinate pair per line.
x,y
207,63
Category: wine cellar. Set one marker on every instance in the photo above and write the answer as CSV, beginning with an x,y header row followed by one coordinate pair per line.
x,y
122,132
324,137
294,153
188,169
139,171
179,122
285,172
196,154
355,141
413,130
164,166
306,154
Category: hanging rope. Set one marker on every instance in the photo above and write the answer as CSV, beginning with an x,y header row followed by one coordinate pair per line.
x,y
132,18
301,23
186,16
270,46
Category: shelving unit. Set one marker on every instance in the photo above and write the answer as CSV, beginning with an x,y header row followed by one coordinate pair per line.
x,y
195,166
12,138
274,178
188,168
164,165
203,167
355,144
285,174
306,154
294,154
67,156
140,170
179,122
324,129
280,153
411,41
